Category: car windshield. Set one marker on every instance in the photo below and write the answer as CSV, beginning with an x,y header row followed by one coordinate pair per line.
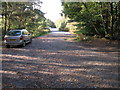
x,y
14,33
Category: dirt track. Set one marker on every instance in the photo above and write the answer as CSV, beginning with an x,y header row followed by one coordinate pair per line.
x,y
52,62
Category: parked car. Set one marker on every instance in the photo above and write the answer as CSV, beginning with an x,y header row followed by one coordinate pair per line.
x,y
17,37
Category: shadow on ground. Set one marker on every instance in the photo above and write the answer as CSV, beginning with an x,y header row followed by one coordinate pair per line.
x,y
52,62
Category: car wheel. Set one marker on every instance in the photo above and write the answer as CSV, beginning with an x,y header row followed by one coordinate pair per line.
x,y
24,44
7,46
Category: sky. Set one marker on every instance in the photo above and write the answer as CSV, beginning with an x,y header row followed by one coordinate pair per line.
x,y
52,8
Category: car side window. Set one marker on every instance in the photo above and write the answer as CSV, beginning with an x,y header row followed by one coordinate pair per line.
x,y
25,33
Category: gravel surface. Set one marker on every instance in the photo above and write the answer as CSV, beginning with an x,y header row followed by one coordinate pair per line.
x,y
51,61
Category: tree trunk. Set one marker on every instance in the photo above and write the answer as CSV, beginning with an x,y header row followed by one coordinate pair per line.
x,y
104,22
5,23
90,19
107,21
118,20
111,20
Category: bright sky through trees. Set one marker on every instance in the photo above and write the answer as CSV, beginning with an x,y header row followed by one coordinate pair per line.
x,y
52,8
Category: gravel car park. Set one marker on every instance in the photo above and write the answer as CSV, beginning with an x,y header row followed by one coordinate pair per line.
x,y
53,62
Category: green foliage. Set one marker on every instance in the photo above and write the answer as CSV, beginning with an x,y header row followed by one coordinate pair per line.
x,y
39,34
94,18
62,27
23,15
51,24
61,24
81,37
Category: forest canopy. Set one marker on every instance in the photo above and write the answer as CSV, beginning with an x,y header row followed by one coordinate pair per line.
x,y
24,15
95,18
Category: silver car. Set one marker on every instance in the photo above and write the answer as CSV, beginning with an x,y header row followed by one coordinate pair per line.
x,y
17,37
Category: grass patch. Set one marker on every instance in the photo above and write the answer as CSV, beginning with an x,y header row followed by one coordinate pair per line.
x,y
69,39
40,34
85,38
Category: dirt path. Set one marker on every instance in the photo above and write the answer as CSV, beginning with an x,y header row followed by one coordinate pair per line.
x,y
52,62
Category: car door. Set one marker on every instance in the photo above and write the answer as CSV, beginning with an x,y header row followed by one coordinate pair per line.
x,y
29,36
25,35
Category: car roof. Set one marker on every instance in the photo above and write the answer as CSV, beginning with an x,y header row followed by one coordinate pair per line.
x,y
19,30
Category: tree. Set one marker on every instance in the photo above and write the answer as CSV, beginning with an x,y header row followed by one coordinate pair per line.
x,y
17,15
94,18
51,24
